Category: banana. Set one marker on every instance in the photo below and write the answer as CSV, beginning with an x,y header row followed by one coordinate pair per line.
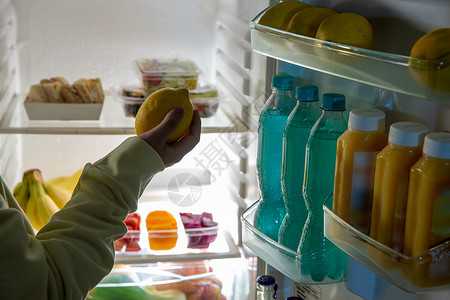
x,y
66,182
45,207
58,194
22,193
32,214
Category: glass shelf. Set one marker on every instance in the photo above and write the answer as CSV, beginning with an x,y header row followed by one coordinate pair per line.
x,y
112,121
431,80
428,273
278,256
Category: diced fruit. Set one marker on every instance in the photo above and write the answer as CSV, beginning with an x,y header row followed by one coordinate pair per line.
x,y
202,237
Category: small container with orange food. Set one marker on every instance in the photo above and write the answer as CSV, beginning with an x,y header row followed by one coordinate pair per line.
x,y
162,230
356,153
391,182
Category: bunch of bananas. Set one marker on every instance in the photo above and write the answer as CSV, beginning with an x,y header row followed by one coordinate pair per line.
x,y
40,199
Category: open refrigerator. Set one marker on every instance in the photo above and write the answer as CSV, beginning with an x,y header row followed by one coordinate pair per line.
x,y
78,39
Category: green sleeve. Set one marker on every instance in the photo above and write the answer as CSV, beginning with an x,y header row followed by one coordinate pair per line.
x,y
74,251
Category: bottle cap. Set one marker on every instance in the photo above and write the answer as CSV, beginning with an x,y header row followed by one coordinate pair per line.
x,y
294,298
282,81
408,134
331,101
366,119
266,280
437,144
307,93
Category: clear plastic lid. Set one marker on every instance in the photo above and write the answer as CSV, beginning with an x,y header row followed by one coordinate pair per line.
x,y
408,134
367,119
437,144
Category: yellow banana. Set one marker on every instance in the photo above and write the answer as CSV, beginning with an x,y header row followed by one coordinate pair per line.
x,y
66,182
31,209
58,194
45,207
21,193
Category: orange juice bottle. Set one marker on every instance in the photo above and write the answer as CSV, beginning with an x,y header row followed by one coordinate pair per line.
x,y
427,221
390,189
356,153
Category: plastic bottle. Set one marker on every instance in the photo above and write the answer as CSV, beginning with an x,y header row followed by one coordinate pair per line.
x,y
272,121
356,153
295,137
427,210
390,192
320,258
266,288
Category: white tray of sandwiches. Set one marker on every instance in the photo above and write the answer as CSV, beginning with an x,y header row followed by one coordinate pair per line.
x,y
57,99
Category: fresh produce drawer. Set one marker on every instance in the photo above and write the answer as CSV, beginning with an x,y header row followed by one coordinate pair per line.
x,y
168,280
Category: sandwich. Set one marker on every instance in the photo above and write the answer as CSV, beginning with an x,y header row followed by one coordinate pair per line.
x,y
59,90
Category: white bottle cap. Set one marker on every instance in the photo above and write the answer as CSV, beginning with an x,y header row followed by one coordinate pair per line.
x,y
437,144
366,119
408,134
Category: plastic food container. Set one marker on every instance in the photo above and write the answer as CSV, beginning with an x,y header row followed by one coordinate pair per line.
x,y
205,98
159,73
421,274
129,243
175,281
130,96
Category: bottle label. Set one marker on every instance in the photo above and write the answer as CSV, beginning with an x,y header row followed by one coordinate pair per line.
x,y
362,189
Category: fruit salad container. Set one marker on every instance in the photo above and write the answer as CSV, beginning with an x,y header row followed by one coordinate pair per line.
x,y
206,99
427,273
162,234
130,96
175,281
160,73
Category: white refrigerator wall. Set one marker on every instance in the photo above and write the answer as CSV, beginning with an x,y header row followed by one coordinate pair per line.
x,y
85,38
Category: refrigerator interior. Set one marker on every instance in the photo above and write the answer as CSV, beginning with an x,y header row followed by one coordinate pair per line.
x,y
101,38
89,39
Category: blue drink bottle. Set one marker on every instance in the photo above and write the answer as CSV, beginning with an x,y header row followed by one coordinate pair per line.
x,y
271,210
295,137
322,259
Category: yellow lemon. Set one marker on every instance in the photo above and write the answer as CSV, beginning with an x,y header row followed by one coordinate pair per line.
x,y
433,68
433,45
158,104
279,15
307,21
348,29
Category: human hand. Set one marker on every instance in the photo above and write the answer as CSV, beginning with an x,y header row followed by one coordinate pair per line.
x,y
172,153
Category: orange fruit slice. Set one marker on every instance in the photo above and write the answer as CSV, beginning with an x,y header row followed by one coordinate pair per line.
x,y
162,230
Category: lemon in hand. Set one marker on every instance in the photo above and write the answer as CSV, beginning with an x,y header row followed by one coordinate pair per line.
x,y
279,15
433,67
158,104
348,29
306,21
